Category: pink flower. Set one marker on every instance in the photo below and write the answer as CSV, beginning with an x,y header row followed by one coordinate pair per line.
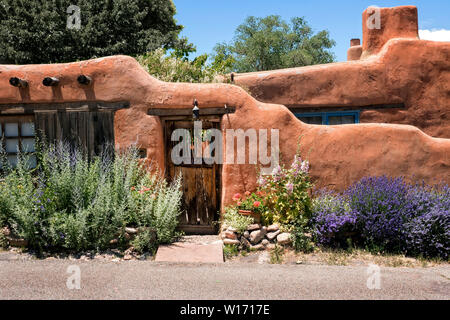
x,y
305,166
289,187
256,204
236,196
262,181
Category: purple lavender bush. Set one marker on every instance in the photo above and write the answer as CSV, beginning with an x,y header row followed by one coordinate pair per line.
x,y
381,205
428,234
333,220
387,214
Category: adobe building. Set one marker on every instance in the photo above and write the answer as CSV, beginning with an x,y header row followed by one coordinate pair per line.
x,y
115,100
393,77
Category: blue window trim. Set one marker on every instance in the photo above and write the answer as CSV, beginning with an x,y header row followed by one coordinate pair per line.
x,y
325,115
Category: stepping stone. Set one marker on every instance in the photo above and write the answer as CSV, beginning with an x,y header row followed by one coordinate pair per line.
x,y
191,252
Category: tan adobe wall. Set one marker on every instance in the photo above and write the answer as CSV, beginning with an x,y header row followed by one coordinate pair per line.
x,y
395,68
339,155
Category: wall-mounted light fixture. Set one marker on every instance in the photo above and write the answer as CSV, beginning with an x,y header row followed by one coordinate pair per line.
x,y
85,80
17,82
50,81
195,110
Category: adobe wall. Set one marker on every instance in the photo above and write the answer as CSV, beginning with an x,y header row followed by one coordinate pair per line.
x,y
339,155
394,67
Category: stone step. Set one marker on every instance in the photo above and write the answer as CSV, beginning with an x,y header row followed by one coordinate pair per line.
x,y
198,251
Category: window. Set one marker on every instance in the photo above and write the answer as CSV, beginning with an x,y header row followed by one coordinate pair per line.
x,y
329,118
17,135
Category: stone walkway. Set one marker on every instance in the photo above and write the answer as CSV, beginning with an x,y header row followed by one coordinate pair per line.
x,y
198,249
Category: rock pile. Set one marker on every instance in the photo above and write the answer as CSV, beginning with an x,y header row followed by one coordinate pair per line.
x,y
256,237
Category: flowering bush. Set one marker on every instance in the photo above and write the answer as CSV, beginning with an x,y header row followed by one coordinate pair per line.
x,y
381,206
286,197
387,214
70,202
333,220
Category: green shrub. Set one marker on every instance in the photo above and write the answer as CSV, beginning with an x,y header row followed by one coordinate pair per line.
x,y
144,241
232,218
72,202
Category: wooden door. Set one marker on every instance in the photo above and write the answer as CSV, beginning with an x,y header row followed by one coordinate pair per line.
x,y
92,131
200,182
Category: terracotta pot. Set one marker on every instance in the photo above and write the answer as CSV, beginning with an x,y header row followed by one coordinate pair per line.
x,y
255,216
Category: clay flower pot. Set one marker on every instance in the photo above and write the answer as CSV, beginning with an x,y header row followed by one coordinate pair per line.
x,y
255,216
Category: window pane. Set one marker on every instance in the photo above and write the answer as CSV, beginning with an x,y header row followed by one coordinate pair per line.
x,y
312,120
11,129
28,145
12,145
27,129
12,159
332,120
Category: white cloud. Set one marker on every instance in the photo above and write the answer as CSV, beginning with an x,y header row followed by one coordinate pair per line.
x,y
435,34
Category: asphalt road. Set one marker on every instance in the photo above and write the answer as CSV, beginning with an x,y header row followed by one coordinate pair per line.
x,y
47,279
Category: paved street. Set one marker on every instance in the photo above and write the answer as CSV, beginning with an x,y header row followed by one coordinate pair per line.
x,y
46,279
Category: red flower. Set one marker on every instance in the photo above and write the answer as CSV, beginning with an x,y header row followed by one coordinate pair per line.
x,y
133,188
237,196
256,204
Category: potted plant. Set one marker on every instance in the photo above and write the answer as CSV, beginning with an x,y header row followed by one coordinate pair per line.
x,y
250,204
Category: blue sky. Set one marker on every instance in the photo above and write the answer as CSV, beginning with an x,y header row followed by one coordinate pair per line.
x,y
207,22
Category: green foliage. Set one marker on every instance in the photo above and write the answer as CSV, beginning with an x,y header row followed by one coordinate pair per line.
x,y
144,241
3,241
230,250
35,31
71,202
272,43
176,67
301,240
232,218
276,254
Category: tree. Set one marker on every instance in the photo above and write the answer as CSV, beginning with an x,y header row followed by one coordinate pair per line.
x,y
176,66
37,31
272,43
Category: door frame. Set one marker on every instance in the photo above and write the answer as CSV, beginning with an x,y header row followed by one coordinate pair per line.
x,y
196,229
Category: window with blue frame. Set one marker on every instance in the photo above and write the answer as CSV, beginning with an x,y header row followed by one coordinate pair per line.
x,y
329,118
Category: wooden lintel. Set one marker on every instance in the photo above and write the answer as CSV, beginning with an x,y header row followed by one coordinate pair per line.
x,y
64,106
164,112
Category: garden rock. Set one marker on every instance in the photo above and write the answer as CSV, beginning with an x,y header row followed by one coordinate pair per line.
x,y
272,235
230,234
231,229
231,242
257,235
247,234
253,227
273,227
245,243
257,247
265,242
131,230
284,238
